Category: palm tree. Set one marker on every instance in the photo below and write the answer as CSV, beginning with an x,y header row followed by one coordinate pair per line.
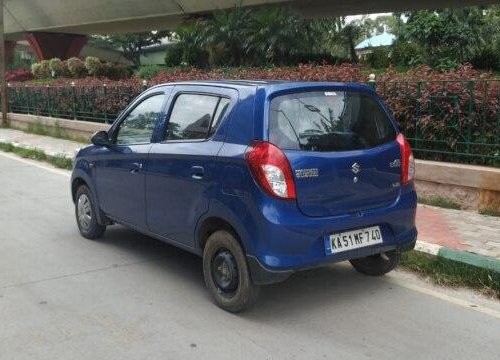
x,y
223,36
190,41
273,34
348,35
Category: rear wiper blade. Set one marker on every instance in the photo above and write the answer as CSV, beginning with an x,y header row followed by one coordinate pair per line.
x,y
312,108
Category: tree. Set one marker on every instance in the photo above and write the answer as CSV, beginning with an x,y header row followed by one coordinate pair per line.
x,y
224,34
133,44
335,36
379,25
349,34
190,45
273,35
444,38
492,28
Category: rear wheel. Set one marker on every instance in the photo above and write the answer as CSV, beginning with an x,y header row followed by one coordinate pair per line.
x,y
379,264
85,211
226,273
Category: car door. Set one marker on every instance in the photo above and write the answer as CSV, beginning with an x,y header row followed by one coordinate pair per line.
x,y
180,176
121,166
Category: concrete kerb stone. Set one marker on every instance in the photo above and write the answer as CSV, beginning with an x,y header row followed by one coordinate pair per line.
x,y
480,261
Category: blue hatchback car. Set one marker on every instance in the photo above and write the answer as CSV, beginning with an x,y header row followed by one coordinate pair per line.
x,y
260,178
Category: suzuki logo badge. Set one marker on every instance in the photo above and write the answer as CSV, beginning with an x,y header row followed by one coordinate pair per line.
x,y
355,168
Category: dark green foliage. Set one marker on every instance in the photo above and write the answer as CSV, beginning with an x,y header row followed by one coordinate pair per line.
x,y
276,36
445,39
133,44
18,62
224,36
378,58
173,55
271,36
349,34
405,53
445,36
486,58
191,40
148,71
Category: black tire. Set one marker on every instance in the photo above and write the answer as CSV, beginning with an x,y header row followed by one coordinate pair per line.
x,y
238,292
376,265
88,226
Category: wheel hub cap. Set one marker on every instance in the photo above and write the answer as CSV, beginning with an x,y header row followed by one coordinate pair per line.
x,y
84,212
225,271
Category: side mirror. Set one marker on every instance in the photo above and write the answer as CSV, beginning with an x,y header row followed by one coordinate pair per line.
x,y
100,138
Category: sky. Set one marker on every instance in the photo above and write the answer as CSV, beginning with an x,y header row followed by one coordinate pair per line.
x,y
357,17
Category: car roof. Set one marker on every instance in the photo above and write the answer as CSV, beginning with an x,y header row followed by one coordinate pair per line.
x,y
276,85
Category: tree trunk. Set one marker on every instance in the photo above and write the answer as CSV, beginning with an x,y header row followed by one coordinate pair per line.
x,y
352,50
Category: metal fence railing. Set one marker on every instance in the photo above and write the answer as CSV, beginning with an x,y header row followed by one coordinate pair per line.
x,y
88,103
455,121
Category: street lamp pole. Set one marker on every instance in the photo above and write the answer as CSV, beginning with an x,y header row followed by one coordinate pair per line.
x,y
3,85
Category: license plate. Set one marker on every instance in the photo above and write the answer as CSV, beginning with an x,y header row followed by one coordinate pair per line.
x,y
349,240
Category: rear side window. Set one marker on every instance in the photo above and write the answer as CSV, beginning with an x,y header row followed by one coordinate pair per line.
x,y
195,116
219,114
328,121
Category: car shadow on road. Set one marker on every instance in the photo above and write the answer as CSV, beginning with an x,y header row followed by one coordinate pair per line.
x,y
320,288
326,289
150,249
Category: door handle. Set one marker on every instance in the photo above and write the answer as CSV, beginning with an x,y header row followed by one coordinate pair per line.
x,y
197,172
136,167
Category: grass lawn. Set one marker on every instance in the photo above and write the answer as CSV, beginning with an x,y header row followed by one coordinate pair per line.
x,y
439,201
36,154
451,273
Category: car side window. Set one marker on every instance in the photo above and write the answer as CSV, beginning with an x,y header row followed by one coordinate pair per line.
x,y
195,116
219,115
139,124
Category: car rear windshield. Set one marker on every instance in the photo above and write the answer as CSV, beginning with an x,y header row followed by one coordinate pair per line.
x,y
328,121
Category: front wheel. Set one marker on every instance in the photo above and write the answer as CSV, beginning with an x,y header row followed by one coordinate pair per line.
x,y
85,212
379,264
226,273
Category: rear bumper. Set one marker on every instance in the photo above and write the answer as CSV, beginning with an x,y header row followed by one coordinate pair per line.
x,y
262,275
284,240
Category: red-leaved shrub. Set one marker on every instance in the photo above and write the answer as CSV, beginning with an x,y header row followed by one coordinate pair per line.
x,y
18,75
451,116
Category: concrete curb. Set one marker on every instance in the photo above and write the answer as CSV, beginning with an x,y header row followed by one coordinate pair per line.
x,y
480,261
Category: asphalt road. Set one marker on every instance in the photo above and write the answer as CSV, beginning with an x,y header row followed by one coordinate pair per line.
x,y
133,297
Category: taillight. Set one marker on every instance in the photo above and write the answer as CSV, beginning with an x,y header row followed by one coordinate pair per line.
x,y
407,161
271,169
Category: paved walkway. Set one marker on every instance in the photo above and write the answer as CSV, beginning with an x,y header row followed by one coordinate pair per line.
x,y
455,229
50,145
459,230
